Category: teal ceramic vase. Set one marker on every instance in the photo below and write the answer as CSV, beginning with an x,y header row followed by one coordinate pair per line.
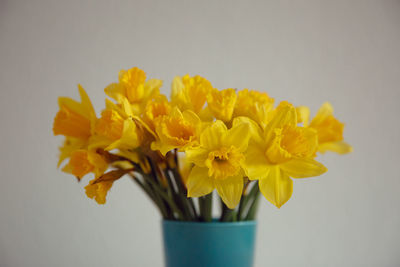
x,y
216,244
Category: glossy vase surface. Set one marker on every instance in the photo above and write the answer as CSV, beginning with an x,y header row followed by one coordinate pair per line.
x,y
200,244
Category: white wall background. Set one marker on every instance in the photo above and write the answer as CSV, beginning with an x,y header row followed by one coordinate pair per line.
x,y
307,52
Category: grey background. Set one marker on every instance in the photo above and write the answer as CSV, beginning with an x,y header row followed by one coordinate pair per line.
x,y
307,52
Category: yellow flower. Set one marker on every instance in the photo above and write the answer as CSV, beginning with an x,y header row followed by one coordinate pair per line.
x,y
98,191
82,162
255,105
280,151
75,119
70,145
218,162
178,130
99,187
190,92
221,103
114,131
155,108
133,86
184,167
303,115
330,131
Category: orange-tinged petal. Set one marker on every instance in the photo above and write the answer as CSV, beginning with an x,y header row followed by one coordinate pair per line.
x,y
79,164
98,191
70,145
199,183
303,167
130,138
69,123
277,187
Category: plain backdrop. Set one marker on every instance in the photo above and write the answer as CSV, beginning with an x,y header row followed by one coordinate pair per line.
x,y
306,52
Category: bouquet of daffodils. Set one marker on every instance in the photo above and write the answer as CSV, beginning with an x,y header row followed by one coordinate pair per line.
x,y
179,150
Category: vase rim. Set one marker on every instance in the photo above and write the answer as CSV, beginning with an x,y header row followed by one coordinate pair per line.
x,y
214,222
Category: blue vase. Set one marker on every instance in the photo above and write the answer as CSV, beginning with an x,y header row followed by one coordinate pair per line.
x,y
216,244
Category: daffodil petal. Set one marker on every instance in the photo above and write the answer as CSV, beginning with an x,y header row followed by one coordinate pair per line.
x,y
238,136
325,110
98,191
303,115
213,135
197,156
339,147
230,190
254,128
302,168
256,165
285,115
86,103
199,183
277,187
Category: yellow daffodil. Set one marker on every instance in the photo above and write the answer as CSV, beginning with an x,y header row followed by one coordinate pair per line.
x,y
114,131
254,105
190,92
221,103
330,131
75,119
99,187
133,86
70,145
184,167
117,128
155,108
303,115
228,139
178,130
98,191
82,162
218,162
280,151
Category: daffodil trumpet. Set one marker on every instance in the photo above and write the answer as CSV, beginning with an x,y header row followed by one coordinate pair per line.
x,y
202,145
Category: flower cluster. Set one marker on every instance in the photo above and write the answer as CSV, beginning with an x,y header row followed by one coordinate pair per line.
x,y
199,140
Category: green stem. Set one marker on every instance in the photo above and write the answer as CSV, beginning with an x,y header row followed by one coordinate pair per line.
x,y
178,196
252,213
151,195
227,214
246,199
165,196
187,202
208,207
